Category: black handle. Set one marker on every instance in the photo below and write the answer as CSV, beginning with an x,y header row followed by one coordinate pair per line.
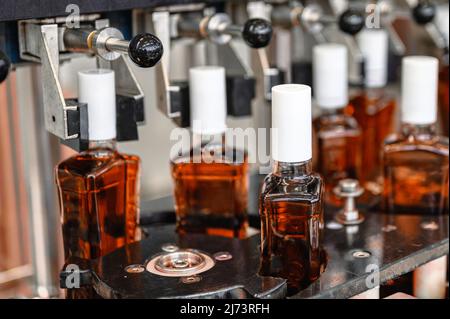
x,y
351,22
5,66
145,50
424,12
257,33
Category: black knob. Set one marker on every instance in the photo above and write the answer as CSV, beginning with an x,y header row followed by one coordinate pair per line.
x,y
145,50
424,12
257,33
5,66
351,22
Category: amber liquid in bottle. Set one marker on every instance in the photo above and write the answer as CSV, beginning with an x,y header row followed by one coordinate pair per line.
x,y
292,225
374,111
444,99
99,200
416,171
338,149
211,189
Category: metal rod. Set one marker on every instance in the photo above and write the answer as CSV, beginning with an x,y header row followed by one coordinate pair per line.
x,y
117,45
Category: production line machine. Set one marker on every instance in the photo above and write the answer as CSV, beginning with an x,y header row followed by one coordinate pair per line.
x,y
260,44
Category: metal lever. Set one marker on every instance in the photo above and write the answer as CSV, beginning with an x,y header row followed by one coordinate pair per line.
x,y
424,13
145,50
313,19
219,28
349,189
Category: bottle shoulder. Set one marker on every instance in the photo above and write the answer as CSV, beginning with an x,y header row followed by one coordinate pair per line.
x,y
92,163
402,143
306,188
336,123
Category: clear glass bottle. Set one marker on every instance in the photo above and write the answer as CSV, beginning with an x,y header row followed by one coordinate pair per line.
x,y
337,135
99,188
290,203
373,107
211,180
416,160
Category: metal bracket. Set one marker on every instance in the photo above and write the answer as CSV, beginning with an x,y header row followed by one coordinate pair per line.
x,y
170,99
43,43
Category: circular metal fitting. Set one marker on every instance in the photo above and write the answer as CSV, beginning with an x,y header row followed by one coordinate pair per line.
x,y
361,254
181,263
311,18
216,26
135,269
169,248
223,256
191,279
349,189
99,39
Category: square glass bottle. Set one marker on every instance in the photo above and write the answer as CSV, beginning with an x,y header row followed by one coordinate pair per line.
x,y
373,107
337,135
211,180
290,203
98,188
416,159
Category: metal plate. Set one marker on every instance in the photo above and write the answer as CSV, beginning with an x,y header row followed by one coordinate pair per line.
x,y
232,278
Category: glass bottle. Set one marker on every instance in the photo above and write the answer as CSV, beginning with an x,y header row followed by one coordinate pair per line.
x,y
290,203
444,97
416,159
337,135
373,107
211,179
98,188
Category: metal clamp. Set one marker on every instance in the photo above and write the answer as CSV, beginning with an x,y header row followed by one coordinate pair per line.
x,y
49,43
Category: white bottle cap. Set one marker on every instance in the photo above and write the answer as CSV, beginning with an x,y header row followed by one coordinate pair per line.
x,y
419,89
291,123
330,75
208,100
97,89
374,46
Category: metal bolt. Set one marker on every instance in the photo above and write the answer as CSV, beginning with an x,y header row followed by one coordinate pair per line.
x,y
135,269
223,256
191,279
349,189
361,254
169,248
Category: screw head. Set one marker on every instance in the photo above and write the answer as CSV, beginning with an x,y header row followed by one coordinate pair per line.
x,y
135,269
361,254
223,256
348,188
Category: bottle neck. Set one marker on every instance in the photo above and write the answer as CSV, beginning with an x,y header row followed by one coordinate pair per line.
x,y
373,92
103,147
292,169
328,112
419,132
205,139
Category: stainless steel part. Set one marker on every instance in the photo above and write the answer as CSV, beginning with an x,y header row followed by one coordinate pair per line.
x,y
42,43
181,263
160,25
349,189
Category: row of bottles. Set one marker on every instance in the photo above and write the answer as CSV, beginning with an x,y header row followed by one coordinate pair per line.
x,y
99,188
